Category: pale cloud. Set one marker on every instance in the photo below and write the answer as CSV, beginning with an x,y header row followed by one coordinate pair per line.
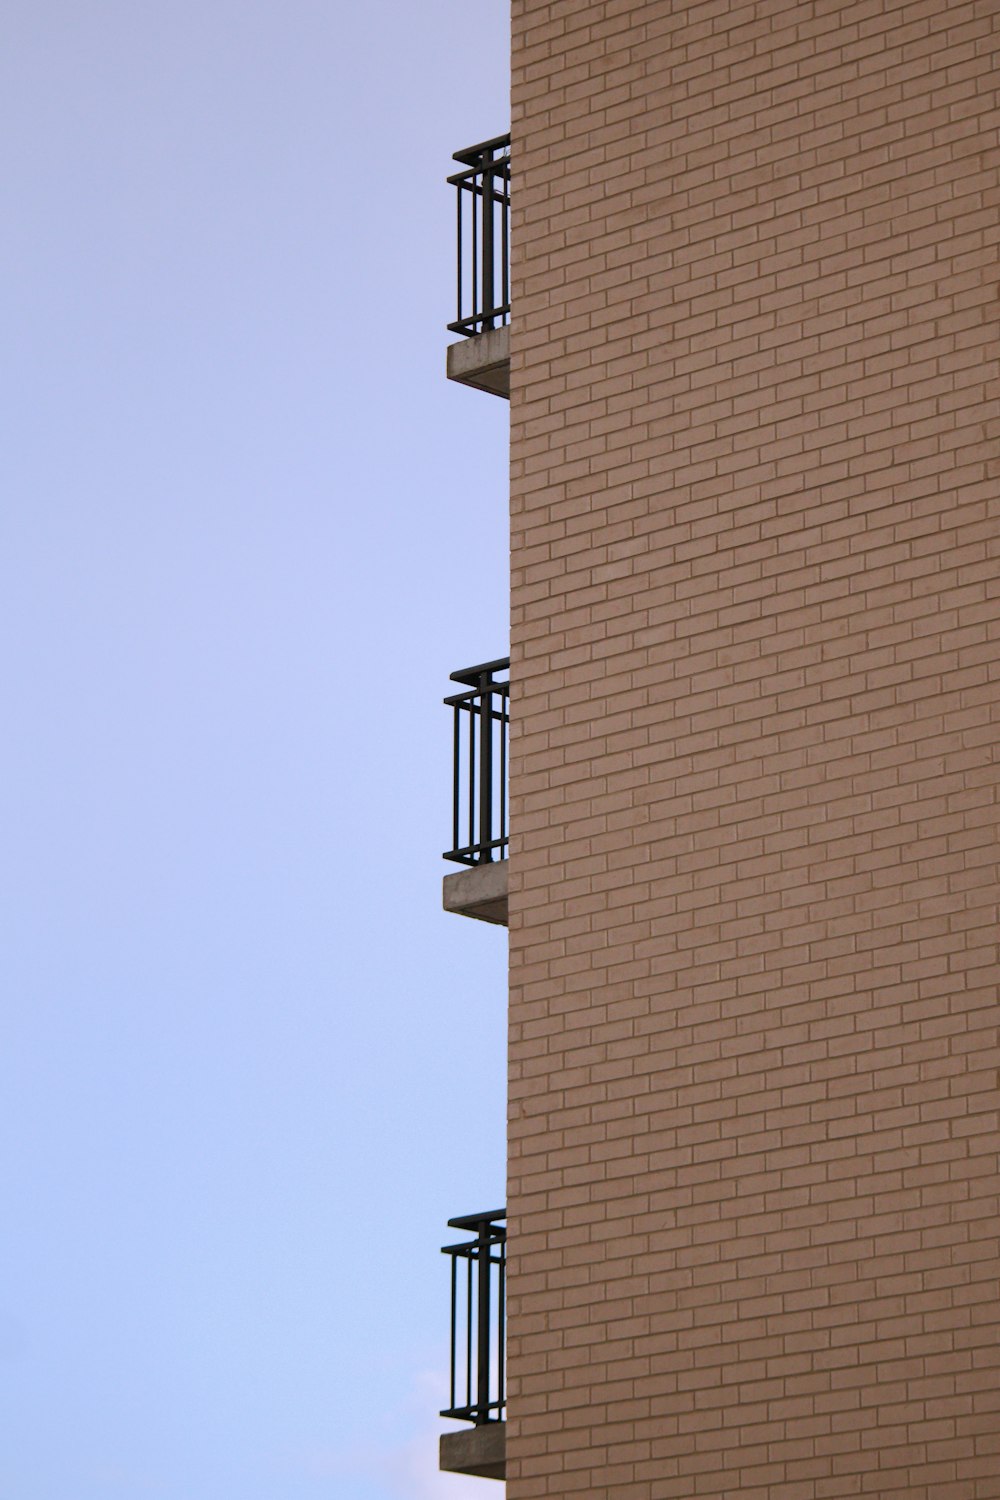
x,y
412,1471
13,1336
408,1469
119,1477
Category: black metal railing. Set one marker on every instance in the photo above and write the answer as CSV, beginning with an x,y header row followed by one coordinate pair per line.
x,y
478,1319
483,221
479,764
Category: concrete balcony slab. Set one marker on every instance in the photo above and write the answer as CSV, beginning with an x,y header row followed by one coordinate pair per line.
x,y
480,892
479,1450
482,361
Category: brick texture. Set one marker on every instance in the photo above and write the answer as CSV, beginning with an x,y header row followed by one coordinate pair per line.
x,y
756,606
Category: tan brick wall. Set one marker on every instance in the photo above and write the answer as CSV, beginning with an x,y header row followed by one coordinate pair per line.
x,y
756,607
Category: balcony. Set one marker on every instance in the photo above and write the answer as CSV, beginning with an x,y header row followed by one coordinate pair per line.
x,y
481,358
481,723
478,1338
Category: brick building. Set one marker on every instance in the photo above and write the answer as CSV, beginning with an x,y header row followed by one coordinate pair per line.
x,y
755,489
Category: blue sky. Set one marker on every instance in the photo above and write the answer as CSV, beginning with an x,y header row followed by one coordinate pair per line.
x,y
248,1067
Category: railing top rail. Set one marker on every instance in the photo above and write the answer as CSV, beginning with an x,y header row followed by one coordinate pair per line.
x,y
471,701
473,1221
471,155
469,178
472,1249
469,326
470,676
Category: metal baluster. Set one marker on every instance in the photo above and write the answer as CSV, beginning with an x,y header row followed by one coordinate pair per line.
x,y
475,257
503,772
468,1331
489,300
458,226
454,1330
505,241
486,767
471,840
501,1324
483,1326
456,763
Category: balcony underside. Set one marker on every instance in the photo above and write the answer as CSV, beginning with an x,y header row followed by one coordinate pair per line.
x,y
481,1451
480,892
482,361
